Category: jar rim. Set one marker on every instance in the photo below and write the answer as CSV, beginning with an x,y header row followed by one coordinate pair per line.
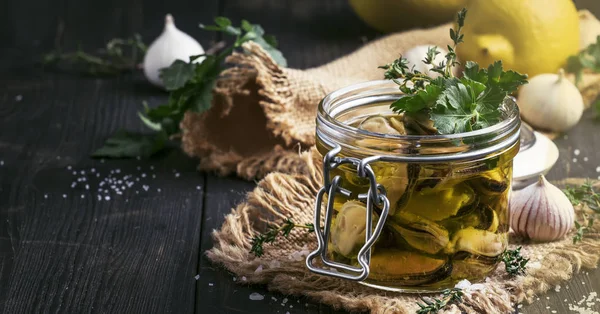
x,y
329,98
334,131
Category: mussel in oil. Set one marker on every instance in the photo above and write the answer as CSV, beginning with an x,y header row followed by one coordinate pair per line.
x,y
349,228
420,233
378,124
440,202
490,183
410,268
477,242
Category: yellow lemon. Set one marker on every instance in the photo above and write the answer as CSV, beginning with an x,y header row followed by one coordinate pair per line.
x,y
529,36
394,15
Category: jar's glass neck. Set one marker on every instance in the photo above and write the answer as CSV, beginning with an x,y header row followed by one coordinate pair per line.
x,y
339,111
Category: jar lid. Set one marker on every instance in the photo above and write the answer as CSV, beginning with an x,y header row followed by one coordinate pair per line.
x,y
537,156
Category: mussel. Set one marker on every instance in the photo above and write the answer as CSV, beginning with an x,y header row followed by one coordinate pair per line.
x,y
348,229
477,242
490,182
420,233
410,268
479,216
419,124
378,124
440,202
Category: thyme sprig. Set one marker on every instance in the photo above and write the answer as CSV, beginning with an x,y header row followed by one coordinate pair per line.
x,y
586,196
273,232
120,55
514,262
433,305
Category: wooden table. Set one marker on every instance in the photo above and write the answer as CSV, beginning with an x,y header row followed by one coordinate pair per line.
x,y
64,251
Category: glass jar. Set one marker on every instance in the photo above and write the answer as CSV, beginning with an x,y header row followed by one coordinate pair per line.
x,y
409,212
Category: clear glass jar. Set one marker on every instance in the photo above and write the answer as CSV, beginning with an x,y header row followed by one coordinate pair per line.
x,y
409,212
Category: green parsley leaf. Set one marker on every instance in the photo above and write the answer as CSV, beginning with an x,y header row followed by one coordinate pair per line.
x,y
127,144
177,75
588,58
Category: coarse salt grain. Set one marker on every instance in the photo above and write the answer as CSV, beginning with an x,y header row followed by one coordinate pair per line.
x,y
197,187
577,152
256,296
177,175
197,277
45,195
574,159
64,195
243,278
158,190
69,167
210,284
73,184
585,159
82,196
18,97
107,198
258,269
284,300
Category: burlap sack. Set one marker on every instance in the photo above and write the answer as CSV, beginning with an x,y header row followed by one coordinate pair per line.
x,y
262,113
291,195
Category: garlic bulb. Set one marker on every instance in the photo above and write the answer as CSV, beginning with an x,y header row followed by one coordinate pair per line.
x,y
171,45
541,212
551,102
416,55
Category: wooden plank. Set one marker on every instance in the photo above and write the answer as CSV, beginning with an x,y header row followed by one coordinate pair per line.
x,y
137,252
218,291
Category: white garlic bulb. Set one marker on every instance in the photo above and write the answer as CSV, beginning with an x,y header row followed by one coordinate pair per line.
x,y
541,212
590,28
171,45
551,102
416,55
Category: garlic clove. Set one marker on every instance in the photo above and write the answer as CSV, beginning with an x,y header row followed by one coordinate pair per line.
x,y
551,102
541,212
171,45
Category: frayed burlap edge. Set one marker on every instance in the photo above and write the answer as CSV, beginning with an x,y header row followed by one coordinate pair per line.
x,y
282,195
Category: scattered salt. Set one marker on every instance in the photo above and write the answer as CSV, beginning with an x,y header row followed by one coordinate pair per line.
x,y
585,159
151,167
574,159
284,300
58,157
210,284
73,184
64,195
258,269
274,298
101,161
107,198
576,152
243,278
234,279
82,196
69,167
177,175
87,186
463,284
158,190
519,306
197,277
197,187
256,296
45,195
18,97
75,172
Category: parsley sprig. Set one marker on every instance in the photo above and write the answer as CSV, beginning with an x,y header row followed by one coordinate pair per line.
x,y
273,232
434,305
455,105
120,55
588,58
190,85
514,262
584,195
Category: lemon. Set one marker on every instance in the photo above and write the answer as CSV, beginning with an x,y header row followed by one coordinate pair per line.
x,y
529,36
394,15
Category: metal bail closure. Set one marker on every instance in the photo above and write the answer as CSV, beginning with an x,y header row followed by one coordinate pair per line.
x,y
375,197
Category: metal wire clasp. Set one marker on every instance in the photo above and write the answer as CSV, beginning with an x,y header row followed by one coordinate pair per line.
x,y
375,197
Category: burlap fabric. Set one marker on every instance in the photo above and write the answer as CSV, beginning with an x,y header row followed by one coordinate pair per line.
x,y
262,113
291,195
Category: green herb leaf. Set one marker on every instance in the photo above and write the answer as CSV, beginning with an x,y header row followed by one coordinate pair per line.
x,y
514,262
588,58
127,144
149,123
177,74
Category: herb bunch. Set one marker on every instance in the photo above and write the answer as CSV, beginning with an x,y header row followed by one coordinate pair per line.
x,y
588,58
584,195
433,305
273,232
455,105
190,85
120,55
514,262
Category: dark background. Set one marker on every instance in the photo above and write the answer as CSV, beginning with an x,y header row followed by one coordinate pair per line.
x,y
140,253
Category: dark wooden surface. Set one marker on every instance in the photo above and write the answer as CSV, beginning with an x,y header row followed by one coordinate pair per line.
x,y
142,252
